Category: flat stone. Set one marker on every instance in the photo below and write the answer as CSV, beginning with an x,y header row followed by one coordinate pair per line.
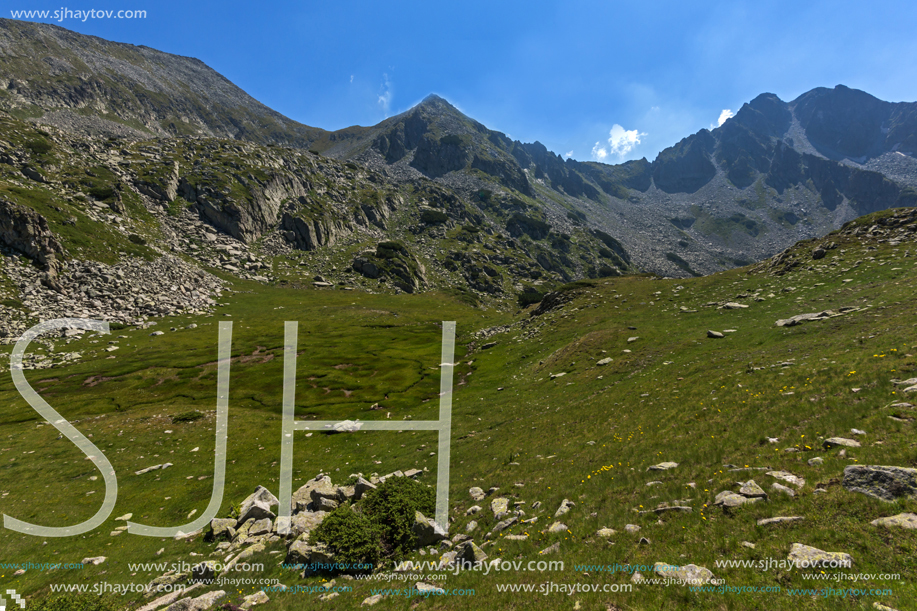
x,y
788,477
690,574
779,520
557,527
833,442
752,490
907,521
631,528
727,498
605,532
663,466
784,489
804,556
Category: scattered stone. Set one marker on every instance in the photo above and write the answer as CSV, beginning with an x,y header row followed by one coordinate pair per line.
x,y
816,462
427,589
551,549
784,489
631,528
752,490
605,532
715,334
499,505
748,544
369,601
258,598
427,531
779,520
690,574
663,466
604,361
94,560
557,527
833,442
804,556
728,498
788,477
565,506
907,521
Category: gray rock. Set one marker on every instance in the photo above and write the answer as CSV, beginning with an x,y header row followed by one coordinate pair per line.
x,y
427,531
663,466
779,520
499,505
752,490
908,521
565,506
715,334
361,487
476,494
804,556
833,442
728,498
557,527
425,589
369,601
631,528
258,598
690,574
816,462
788,477
94,560
885,483
551,549
605,532
784,489
470,552
255,510
221,529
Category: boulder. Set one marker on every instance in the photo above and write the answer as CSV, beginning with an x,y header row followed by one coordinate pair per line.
x,y
885,483
426,530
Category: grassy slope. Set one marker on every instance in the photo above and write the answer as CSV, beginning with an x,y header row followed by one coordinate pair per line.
x,y
677,396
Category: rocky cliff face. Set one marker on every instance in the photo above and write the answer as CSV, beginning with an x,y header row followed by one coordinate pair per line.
x,y
26,231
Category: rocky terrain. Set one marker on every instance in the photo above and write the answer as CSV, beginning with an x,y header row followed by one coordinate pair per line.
x,y
775,173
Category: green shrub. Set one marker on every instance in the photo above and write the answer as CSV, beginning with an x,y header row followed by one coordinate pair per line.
x,y
433,216
354,538
392,506
39,146
187,417
73,602
102,193
527,299
136,239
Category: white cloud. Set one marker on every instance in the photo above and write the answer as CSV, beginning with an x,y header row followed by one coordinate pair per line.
x,y
351,78
599,153
385,95
570,153
726,114
622,141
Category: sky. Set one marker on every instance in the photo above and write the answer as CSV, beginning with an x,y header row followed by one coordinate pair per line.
x,y
607,81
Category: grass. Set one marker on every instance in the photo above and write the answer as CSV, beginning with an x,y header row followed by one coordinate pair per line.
x,y
676,395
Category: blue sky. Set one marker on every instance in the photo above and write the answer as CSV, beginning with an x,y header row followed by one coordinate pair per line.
x,y
563,73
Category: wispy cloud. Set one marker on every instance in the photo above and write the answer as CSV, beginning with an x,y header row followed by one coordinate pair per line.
x,y
726,114
351,78
385,94
620,142
569,154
